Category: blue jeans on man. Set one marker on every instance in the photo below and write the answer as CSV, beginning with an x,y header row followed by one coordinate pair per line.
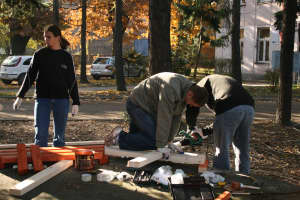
x,y
142,130
42,111
233,127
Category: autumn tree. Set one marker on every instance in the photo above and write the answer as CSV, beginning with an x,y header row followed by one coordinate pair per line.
x,y
25,19
101,23
201,19
287,26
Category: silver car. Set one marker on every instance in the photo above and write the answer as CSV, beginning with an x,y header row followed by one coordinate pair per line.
x,y
105,67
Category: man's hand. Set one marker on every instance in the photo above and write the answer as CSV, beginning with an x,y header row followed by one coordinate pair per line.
x,y
174,147
165,151
75,109
17,103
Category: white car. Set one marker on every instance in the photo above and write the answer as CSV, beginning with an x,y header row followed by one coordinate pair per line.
x,y
14,68
105,67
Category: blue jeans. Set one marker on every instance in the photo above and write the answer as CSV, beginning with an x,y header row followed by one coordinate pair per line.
x,y
42,110
233,127
142,130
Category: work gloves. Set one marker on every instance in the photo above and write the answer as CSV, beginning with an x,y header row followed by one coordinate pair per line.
x,y
17,103
75,109
171,147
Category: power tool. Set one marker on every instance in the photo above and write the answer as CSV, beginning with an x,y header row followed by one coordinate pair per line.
x,y
194,139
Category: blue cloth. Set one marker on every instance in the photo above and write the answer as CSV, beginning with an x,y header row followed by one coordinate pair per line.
x,y
42,110
142,130
233,127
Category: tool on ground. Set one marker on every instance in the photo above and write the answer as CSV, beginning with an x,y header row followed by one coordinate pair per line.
x,y
84,159
193,187
237,186
193,139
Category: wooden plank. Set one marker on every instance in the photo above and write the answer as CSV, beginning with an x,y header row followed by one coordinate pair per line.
x,y
22,159
186,158
39,178
141,161
36,158
78,143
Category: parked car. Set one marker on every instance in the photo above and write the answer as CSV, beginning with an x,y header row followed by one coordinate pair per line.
x,y
105,67
14,68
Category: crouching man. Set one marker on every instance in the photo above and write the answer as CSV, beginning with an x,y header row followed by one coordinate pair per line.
x,y
155,107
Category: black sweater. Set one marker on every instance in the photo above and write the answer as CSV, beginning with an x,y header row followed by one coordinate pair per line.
x,y
54,73
224,93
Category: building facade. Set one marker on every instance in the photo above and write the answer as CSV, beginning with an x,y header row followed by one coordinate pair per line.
x,y
259,38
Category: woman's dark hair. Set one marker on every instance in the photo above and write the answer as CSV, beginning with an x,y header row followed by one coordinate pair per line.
x,y
57,32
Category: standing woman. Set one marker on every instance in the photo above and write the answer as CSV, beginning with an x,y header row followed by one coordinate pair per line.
x,y
53,70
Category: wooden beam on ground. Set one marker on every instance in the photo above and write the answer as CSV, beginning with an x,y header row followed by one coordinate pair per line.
x,y
186,158
39,178
141,161
22,159
78,143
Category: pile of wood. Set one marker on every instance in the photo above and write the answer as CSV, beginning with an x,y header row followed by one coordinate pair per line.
x,y
22,154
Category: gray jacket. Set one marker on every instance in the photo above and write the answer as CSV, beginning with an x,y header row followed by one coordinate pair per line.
x,y
162,96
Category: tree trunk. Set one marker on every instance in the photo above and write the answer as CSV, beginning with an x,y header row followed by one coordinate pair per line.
x,y
118,46
235,41
198,55
56,12
283,113
160,47
18,44
83,78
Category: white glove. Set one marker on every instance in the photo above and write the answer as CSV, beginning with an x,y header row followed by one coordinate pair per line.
x,y
75,109
200,132
174,147
17,103
165,151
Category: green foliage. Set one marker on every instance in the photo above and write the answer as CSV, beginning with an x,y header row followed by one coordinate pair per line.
x,y
279,15
4,39
134,58
179,64
200,20
272,76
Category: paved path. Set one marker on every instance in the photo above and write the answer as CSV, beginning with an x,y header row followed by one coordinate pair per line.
x,y
114,109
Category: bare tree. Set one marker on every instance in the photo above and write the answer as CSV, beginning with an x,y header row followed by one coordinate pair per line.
x,y
160,47
283,113
56,12
118,46
235,41
83,78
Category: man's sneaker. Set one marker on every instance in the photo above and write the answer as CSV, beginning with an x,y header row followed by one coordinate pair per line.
x,y
113,137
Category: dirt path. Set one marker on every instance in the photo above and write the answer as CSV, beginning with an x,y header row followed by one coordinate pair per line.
x,y
114,109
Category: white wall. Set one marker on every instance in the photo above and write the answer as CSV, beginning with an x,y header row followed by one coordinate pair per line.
x,y
253,16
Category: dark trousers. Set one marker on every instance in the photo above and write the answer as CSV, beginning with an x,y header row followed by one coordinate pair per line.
x,y
142,130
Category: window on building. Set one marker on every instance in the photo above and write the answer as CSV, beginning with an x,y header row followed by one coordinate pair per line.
x,y
242,44
243,2
263,43
263,1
